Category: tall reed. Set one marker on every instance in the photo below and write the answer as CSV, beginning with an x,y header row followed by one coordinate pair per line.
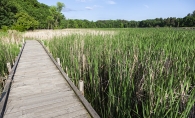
x,y
9,49
136,73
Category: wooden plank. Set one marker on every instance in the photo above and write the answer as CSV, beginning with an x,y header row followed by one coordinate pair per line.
x,y
48,91
13,115
5,93
32,91
15,107
55,81
39,75
86,115
77,113
50,105
64,111
34,108
40,90
89,108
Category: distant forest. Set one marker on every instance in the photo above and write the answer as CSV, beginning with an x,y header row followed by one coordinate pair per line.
x,y
25,15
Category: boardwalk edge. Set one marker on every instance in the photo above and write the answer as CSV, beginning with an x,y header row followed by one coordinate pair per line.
x,y
6,90
86,104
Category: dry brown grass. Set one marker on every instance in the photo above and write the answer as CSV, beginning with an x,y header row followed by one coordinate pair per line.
x,y
49,34
12,37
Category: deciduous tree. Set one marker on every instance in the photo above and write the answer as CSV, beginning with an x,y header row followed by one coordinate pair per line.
x,y
25,22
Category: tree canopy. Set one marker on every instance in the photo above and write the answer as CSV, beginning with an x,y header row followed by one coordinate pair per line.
x,y
25,22
30,14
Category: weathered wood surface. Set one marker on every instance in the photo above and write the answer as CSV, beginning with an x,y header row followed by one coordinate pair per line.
x,y
39,90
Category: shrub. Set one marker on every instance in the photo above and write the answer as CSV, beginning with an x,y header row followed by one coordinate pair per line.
x,y
4,28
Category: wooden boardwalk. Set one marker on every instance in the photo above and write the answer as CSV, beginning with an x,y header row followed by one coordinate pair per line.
x,y
40,90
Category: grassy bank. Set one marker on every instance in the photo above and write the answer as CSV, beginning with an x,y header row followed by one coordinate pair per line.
x,y
134,73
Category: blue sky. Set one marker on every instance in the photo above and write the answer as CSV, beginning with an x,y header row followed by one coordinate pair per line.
x,y
124,9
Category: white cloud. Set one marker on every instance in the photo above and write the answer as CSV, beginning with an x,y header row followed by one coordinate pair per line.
x,y
93,7
111,2
89,8
146,6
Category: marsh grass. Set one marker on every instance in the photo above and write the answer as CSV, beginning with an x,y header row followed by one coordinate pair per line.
x,y
50,34
138,73
9,49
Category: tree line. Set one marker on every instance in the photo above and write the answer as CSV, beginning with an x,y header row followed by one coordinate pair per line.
x,y
187,21
25,15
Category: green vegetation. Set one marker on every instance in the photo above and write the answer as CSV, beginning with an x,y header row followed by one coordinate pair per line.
x,y
9,49
187,21
29,14
25,22
14,13
3,34
8,53
134,73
